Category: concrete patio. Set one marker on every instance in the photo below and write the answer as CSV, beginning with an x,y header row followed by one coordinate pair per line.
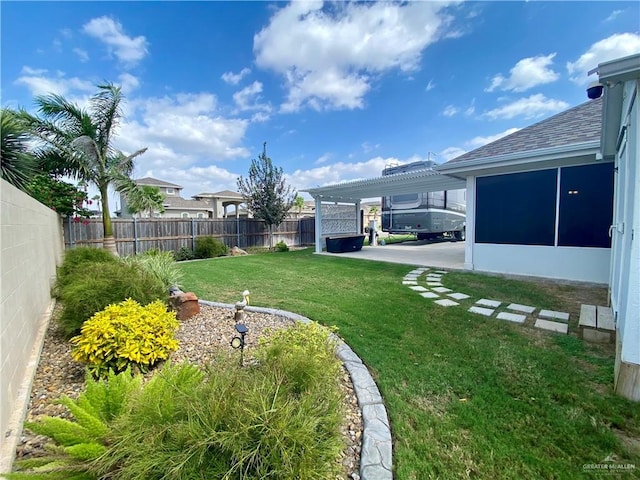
x,y
446,254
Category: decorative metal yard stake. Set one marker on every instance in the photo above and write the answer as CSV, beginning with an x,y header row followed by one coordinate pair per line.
x,y
239,342
241,328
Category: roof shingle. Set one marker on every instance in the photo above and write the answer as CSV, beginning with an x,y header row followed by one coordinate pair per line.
x,y
577,125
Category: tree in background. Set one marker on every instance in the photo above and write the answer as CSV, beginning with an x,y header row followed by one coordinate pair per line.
x,y
298,202
17,164
265,192
82,140
144,199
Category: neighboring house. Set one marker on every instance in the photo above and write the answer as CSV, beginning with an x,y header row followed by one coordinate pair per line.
x,y
540,201
203,205
621,126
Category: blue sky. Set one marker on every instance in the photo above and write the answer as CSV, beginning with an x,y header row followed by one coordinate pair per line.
x,y
337,90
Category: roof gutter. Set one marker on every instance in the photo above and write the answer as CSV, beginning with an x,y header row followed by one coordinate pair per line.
x,y
518,158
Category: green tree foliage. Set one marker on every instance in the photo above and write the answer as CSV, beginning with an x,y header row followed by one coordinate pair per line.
x,y
80,142
266,193
144,199
63,197
17,165
298,202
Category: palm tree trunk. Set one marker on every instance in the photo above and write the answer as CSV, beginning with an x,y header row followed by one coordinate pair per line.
x,y
108,242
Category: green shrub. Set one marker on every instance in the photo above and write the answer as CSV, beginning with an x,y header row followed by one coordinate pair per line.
x,y
159,264
76,259
185,253
209,247
96,285
82,440
281,247
126,335
276,419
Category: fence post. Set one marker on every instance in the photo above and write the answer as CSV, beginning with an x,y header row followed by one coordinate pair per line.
x,y
193,234
135,236
237,230
71,242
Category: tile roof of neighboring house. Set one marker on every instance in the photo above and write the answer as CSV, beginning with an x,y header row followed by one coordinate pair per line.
x,y
223,193
576,125
154,182
179,202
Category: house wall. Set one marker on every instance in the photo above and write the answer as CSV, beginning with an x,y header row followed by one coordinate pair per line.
x,y
562,263
551,261
625,273
31,248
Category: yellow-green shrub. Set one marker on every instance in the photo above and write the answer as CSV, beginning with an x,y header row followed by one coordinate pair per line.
x,y
126,334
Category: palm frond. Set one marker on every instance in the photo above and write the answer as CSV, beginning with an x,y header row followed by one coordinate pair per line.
x,y
106,114
17,165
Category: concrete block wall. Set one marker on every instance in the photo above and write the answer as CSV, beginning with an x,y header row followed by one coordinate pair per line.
x,y
31,246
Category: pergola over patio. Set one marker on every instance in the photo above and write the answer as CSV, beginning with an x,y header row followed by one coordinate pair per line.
x,y
353,192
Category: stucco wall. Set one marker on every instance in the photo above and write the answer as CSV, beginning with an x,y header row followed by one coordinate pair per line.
x,y
31,246
562,263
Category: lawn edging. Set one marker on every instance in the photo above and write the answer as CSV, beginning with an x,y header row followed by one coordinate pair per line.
x,y
376,453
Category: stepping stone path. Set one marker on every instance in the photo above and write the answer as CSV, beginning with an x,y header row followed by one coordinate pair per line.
x,y
428,284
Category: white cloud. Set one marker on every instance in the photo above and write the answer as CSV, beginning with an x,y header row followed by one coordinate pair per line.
x,y
530,107
260,117
451,152
527,73
330,56
127,49
180,131
613,15
338,172
128,83
248,98
471,109
195,179
82,54
41,82
479,141
430,86
369,147
450,111
323,159
234,78
454,152
610,48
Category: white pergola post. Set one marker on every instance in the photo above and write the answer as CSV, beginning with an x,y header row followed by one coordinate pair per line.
x,y
470,223
318,219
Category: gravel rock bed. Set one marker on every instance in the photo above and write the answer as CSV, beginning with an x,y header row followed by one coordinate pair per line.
x,y
200,337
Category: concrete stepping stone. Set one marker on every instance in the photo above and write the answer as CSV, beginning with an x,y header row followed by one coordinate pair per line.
x,y
430,295
434,284
416,272
487,312
441,290
458,296
419,288
409,282
442,272
488,303
552,326
521,308
555,315
434,277
445,302
512,317
411,277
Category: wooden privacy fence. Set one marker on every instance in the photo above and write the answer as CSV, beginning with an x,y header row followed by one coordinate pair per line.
x,y
137,235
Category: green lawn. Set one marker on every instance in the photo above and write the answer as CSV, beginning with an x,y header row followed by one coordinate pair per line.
x,y
468,396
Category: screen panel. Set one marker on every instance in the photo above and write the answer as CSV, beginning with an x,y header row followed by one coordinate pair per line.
x,y
517,208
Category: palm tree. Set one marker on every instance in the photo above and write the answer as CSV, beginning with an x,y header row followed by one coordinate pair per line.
x,y
84,139
17,165
144,198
